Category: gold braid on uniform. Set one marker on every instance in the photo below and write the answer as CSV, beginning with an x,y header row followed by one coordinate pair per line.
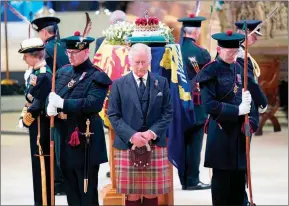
x,y
256,68
28,119
24,111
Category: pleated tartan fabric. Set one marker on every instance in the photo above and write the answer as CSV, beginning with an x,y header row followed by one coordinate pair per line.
x,y
155,179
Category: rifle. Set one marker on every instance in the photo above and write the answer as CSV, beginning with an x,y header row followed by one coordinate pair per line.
x,y
247,125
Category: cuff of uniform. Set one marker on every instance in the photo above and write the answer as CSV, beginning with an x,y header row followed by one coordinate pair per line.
x,y
28,119
72,105
228,112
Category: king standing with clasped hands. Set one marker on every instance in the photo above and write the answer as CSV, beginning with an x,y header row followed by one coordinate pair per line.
x,y
140,112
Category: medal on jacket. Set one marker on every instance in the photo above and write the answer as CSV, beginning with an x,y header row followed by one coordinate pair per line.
x,y
235,88
71,83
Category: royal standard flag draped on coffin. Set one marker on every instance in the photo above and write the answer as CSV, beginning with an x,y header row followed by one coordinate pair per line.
x,y
167,62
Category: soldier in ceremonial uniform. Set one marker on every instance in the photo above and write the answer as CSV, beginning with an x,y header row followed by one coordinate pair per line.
x,y
81,89
221,83
140,112
254,72
38,88
253,67
194,57
47,29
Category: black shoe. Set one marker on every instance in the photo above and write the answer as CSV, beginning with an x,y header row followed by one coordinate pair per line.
x,y
199,186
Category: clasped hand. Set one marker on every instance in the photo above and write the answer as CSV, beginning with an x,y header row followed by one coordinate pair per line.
x,y
140,139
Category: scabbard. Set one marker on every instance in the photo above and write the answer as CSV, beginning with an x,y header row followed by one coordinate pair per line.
x,y
42,165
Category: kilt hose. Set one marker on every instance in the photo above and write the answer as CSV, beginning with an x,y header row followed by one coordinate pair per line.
x,y
154,180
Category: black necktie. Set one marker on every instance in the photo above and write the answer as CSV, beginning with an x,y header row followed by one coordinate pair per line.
x,y
141,87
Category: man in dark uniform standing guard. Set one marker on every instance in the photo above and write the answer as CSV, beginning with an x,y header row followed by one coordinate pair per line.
x,y
33,115
80,92
47,29
194,57
225,101
254,72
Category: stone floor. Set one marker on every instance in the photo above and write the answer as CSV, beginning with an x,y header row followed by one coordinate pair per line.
x,y
269,155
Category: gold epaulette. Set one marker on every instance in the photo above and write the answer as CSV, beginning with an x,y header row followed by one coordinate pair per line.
x,y
24,111
43,70
28,119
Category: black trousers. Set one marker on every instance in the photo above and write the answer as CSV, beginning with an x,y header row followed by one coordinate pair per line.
x,y
74,186
228,187
36,170
58,179
193,144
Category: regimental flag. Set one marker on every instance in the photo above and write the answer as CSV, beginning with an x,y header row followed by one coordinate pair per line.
x,y
183,108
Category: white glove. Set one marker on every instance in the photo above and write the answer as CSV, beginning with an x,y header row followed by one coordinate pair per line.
x,y
245,106
21,126
262,110
246,97
55,100
51,110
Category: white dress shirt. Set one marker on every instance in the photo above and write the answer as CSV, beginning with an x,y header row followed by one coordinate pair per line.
x,y
145,77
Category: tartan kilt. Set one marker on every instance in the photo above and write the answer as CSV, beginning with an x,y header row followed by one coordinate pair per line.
x,y
153,180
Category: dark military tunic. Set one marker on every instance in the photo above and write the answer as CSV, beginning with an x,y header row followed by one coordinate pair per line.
x,y
61,57
83,100
221,89
39,86
194,57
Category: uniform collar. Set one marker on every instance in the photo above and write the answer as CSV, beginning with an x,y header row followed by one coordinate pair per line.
x,y
190,38
50,38
83,66
39,65
219,59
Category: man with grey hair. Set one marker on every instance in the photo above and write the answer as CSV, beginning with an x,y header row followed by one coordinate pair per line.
x,y
116,16
47,30
194,58
140,112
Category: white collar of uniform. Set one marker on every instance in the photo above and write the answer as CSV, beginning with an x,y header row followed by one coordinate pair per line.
x,y
40,64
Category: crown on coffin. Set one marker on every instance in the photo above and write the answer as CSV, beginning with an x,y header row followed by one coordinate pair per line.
x,y
147,24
